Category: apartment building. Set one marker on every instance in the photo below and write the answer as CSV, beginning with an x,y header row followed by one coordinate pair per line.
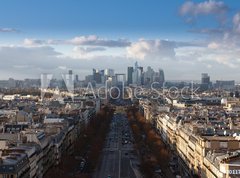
x,y
31,150
14,165
205,139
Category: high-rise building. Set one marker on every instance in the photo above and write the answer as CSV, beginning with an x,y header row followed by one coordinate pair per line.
x,y
237,94
76,78
137,75
120,79
89,78
225,84
205,78
130,75
205,81
94,71
69,80
148,76
11,83
97,76
161,76
141,76
109,72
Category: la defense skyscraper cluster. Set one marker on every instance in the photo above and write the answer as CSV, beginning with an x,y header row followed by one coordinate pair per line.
x,y
137,76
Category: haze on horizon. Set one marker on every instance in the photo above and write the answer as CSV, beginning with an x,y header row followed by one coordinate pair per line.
x,y
185,38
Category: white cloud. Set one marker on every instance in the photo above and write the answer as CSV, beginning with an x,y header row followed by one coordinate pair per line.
x,y
93,40
215,54
84,39
210,31
203,8
9,30
24,56
189,61
62,67
217,9
90,40
209,66
32,61
236,23
189,57
226,60
86,52
33,42
143,49
213,45
22,66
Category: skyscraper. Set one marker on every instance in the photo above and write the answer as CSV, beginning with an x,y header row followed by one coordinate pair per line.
x,y
130,75
205,81
161,76
69,79
109,72
120,78
141,78
100,76
76,78
225,84
148,76
135,74
97,76
205,78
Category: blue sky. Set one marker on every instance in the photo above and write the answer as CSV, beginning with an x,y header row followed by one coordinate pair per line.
x,y
160,33
68,18
135,18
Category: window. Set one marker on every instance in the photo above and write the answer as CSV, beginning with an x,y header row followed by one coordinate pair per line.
x,y
208,144
223,144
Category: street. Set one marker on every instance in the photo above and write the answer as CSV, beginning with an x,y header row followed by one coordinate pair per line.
x,y
119,160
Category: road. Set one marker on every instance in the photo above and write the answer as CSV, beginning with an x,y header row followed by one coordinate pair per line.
x,y
119,159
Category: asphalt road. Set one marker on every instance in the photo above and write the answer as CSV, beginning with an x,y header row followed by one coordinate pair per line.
x,y
118,157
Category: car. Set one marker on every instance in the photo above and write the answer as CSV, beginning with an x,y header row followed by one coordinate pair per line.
x,y
158,171
173,170
172,163
82,165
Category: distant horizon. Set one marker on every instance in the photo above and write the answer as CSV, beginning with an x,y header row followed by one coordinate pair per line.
x,y
237,82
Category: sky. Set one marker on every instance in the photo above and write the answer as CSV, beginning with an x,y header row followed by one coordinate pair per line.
x,y
184,38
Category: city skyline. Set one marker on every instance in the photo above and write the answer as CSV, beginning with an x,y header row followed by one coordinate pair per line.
x,y
198,37
145,70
